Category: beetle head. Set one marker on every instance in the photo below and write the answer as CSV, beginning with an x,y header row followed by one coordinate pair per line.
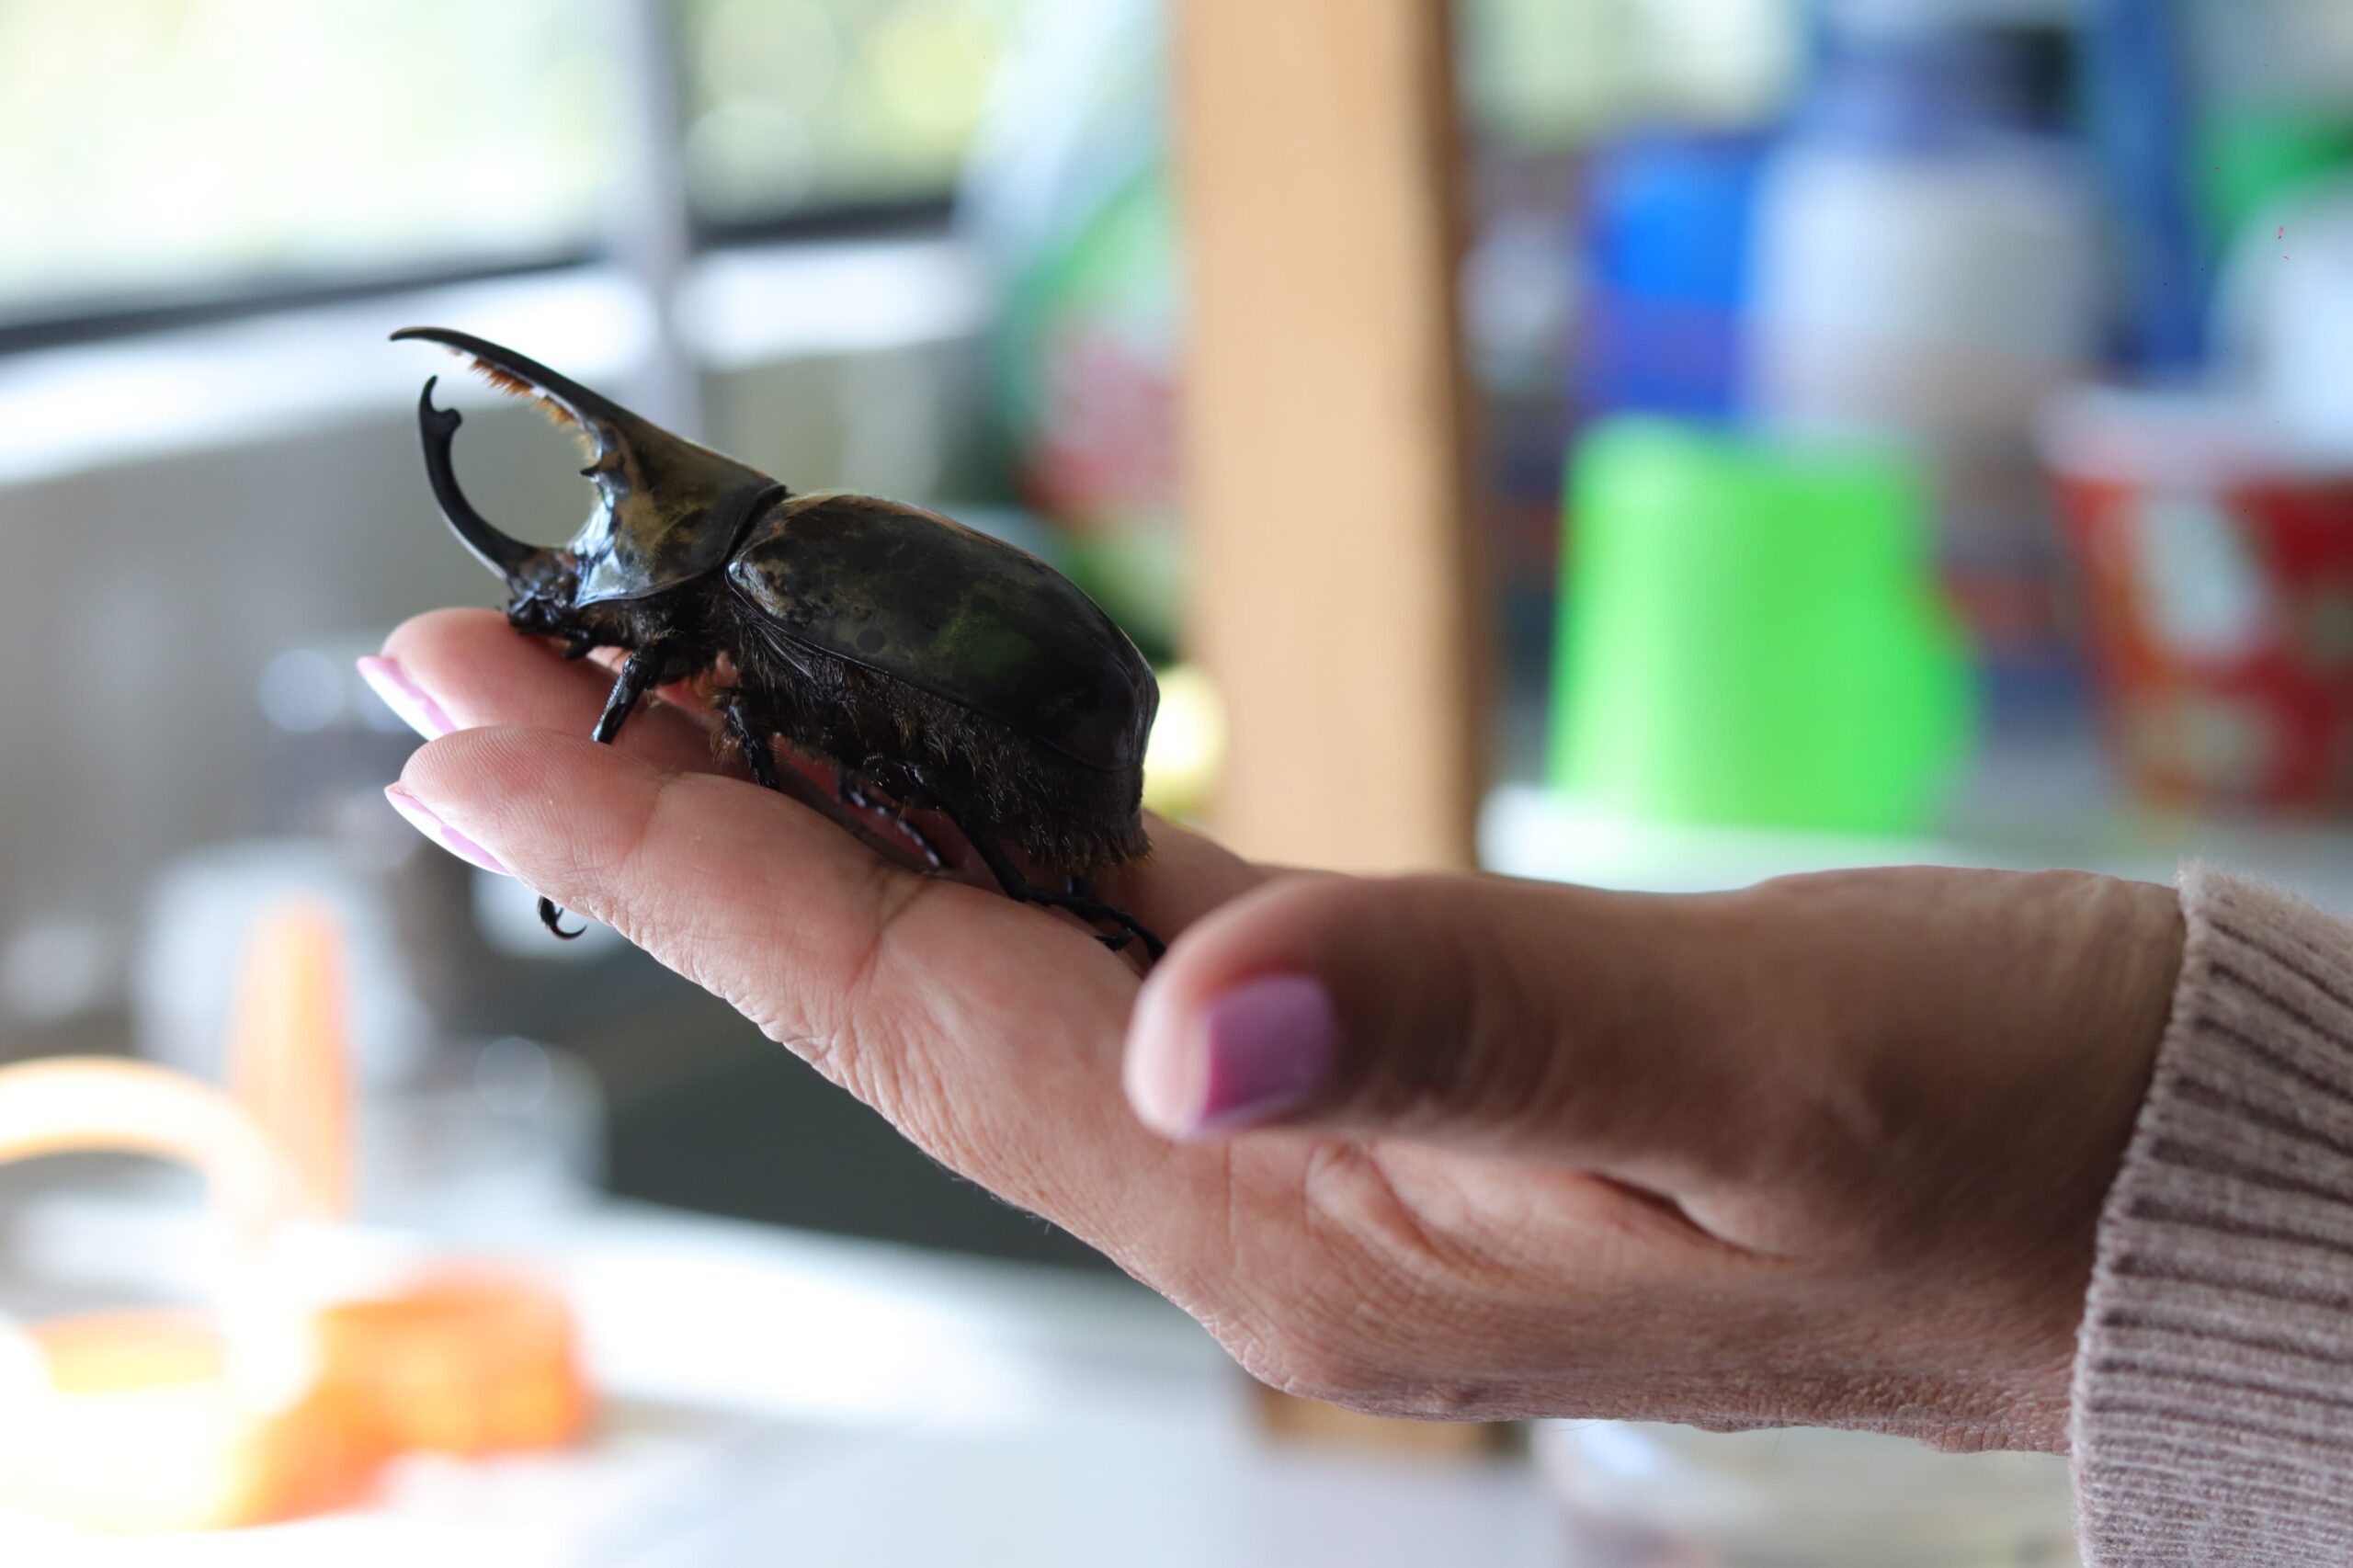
x,y
667,511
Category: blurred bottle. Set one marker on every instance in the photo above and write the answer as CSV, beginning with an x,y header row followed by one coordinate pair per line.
x,y
1927,274
1667,233
2137,102
2285,329
2273,81
2258,157
287,1057
2277,150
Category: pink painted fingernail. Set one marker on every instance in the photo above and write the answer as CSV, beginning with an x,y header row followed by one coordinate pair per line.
x,y
421,818
412,702
1257,1052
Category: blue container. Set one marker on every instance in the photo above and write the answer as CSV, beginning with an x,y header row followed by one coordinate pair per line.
x,y
1666,242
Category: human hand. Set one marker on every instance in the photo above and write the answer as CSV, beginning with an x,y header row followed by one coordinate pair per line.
x,y
1829,1151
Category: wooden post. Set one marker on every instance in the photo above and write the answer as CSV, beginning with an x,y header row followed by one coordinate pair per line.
x,y
1333,595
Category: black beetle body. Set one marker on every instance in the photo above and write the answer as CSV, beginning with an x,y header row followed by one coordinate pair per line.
x,y
924,660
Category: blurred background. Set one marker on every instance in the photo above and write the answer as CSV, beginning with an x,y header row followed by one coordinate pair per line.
x,y
1893,430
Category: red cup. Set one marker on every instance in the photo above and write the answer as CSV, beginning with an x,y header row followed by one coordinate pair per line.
x,y
2215,566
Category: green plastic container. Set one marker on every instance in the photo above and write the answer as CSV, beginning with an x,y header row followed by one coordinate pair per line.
x,y
1753,634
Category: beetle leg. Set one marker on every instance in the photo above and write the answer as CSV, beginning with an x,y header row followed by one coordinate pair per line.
x,y
847,789
757,756
638,675
761,761
1079,886
899,820
1077,895
1084,905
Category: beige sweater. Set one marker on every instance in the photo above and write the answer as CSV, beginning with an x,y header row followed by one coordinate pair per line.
x,y
2213,1398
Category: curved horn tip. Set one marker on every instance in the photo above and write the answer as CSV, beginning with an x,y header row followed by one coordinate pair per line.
x,y
502,554
436,418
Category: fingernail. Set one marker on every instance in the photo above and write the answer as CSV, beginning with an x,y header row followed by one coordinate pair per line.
x,y
405,698
1255,1052
421,818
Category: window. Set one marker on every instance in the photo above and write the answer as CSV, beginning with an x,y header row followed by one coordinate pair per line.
x,y
801,104
153,149
165,152
162,155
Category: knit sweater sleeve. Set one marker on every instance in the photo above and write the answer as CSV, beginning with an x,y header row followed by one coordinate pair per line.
x,y
2213,1388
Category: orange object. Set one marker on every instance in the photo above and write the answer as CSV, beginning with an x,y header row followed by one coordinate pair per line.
x,y
145,1422
60,1104
465,1364
176,1421
154,1421
287,1064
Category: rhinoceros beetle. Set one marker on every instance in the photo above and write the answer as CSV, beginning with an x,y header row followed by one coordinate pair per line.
x,y
925,661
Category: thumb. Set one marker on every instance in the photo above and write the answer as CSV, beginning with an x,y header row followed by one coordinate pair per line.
x,y
1514,1017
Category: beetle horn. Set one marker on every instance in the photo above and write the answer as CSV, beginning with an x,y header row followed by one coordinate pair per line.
x,y
668,510
527,377
501,554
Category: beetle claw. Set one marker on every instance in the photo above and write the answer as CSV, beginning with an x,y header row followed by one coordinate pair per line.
x,y
1077,897
847,792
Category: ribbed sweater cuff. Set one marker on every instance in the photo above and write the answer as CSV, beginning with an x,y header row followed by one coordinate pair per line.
x,y
2214,1392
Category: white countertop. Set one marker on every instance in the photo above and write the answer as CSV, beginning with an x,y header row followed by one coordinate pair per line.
x,y
778,1397
1526,830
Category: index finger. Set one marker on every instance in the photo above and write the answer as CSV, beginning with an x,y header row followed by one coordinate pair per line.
x,y
477,670
968,1020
